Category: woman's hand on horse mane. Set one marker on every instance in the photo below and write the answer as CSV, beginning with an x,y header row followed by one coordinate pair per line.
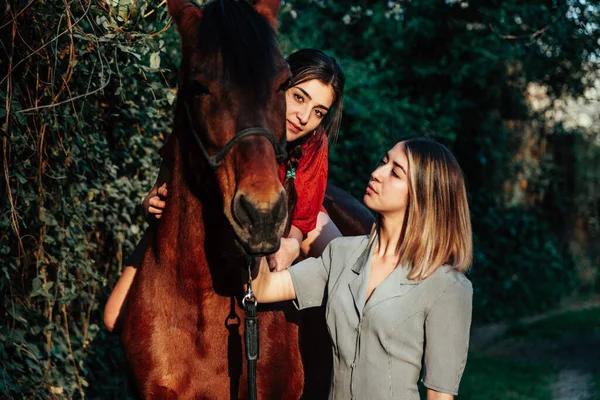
x,y
157,195
288,251
155,203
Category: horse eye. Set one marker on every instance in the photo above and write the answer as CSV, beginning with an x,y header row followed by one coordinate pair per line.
x,y
198,89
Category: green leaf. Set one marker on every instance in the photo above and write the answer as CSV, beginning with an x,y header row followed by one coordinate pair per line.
x,y
155,60
35,366
68,298
21,178
36,284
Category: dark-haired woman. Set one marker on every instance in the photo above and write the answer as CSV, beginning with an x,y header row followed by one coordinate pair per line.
x,y
314,111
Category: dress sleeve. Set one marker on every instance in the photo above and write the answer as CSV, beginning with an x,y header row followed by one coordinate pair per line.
x,y
311,182
310,278
447,328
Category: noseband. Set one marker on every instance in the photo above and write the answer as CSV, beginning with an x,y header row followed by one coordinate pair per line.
x,y
215,161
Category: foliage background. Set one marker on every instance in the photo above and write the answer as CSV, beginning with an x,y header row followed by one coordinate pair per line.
x,y
87,92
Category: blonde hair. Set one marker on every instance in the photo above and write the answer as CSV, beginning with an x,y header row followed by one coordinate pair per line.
x,y
437,225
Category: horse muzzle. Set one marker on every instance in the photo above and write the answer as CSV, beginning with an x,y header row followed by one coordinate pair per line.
x,y
260,224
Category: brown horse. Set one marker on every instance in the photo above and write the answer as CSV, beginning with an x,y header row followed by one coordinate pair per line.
x,y
181,327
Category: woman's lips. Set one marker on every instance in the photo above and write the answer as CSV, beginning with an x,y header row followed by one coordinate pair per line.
x,y
371,189
293,127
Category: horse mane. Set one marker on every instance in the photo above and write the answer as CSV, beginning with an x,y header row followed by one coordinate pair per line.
x,y
245,41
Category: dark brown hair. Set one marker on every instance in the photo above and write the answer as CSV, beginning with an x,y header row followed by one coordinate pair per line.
x,y
306,65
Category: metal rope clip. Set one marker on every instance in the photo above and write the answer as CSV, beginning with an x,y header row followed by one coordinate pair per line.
x,y
249,293
251,340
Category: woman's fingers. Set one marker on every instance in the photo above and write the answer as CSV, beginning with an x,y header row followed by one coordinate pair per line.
x,y
288,252
272,262
156,206
280,267
156,202
157,212
282,259
162,191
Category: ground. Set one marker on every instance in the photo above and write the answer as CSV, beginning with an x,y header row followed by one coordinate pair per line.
x,y
554,356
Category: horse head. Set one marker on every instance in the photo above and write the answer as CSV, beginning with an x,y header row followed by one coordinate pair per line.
x,y
231,107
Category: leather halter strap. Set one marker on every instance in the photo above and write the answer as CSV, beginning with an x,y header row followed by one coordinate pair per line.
x,y
215,161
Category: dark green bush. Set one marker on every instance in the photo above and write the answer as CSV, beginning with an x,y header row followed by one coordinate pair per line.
x,y
521,267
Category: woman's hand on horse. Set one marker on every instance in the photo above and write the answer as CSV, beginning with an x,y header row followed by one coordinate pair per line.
x,y
157,203
288,251
270,286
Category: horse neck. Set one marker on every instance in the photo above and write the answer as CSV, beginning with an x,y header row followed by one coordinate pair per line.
x,y
195,239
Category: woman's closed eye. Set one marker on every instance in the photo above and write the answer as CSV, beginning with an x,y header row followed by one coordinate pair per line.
x,y
395,173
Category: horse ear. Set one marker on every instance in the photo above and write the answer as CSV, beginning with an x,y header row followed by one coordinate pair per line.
x,y
268,9
186,15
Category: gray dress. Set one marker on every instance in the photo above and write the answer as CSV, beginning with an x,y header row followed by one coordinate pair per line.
x,y
406,326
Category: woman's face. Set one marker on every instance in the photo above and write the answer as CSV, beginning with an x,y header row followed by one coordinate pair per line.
x,y
307,103
387,192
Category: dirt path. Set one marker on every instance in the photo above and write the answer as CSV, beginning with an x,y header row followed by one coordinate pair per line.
x,y
483,335
574,385
576,356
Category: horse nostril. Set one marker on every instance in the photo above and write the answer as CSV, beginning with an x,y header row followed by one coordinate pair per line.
x,y
246,212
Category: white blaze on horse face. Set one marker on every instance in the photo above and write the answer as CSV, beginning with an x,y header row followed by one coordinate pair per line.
x,y
307,104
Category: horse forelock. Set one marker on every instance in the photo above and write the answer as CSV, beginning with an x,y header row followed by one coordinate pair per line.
x,y
244,41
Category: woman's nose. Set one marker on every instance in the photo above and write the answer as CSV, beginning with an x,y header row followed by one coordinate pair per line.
x,y
376,175
303,115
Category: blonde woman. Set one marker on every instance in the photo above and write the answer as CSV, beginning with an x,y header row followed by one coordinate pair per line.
x,y
398,305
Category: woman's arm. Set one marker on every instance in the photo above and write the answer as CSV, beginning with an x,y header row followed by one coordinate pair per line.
x,y
153,207
312,246
446,330
306,281
270,287
112,310
433,395
113,307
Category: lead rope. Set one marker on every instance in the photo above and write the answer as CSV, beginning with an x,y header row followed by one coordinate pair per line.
x,y
251,332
